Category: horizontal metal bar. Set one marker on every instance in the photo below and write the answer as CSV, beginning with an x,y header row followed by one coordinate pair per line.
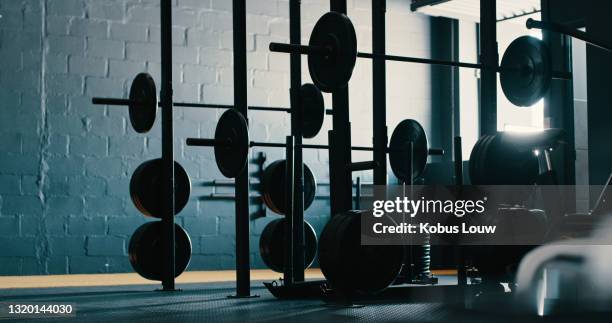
x,y
361,166
201,142
111,101
300,49
421,60
562,29
125,102
436,151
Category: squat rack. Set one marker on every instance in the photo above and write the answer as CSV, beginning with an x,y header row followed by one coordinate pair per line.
x,y
339,136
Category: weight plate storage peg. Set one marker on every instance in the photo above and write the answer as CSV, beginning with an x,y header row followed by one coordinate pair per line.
x,y
313,110
143,105
146,188
273,190
399,156
526,71
272,245
232,134
335,33
351,267
144,250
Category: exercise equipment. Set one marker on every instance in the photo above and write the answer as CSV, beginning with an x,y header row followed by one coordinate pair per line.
x,y
143,104
509,158
146,192
527,85
349,266
408,131
332,53
274,194
272,247
232,143
144,250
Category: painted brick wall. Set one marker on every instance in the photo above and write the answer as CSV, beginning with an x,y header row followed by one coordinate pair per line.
x,y
65,165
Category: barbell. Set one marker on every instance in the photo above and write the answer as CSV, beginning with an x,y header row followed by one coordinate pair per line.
x,y
525,68
143,104
231,145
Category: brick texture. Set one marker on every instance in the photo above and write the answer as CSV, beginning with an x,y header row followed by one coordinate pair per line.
x,y
66,164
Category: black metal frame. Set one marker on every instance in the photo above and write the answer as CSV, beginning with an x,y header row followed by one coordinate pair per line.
x,y
339,141
167,239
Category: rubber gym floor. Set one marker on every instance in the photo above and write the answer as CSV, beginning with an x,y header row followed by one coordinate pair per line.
x,y
96,300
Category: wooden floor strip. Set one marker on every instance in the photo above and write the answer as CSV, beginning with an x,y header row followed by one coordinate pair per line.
x,y
49,281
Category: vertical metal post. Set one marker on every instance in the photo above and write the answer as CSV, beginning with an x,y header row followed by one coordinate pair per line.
x,y
489,57
243,266
459,250
167,239
340,143
379,104
458,161
358,194
295,62
290,224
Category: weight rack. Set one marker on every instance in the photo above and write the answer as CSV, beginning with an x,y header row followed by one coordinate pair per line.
x,y
339,137
340,143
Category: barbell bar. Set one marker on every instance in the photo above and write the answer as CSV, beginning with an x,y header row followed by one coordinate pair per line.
x,y
143,105
565,30
232,144
207,142
127,102
332,53
306,50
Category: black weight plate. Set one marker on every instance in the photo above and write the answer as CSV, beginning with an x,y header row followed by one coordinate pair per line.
x,y
406,131
232,128
503,159
474,156
146,188
331,72
272,246
274,187
145,250
511,158
525,71
142,113
352,267
313,110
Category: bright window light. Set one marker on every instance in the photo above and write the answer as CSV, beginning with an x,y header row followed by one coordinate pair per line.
x,y
517,128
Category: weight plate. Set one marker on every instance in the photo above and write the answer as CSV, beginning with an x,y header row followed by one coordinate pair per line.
x,y
313,110
142,113
408,131
232,157
525,71
331,72
352,267
503,159
273,187
272,245
145,248
146,188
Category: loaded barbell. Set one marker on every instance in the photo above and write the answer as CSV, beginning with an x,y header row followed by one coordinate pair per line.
x,y
231,144
525,69
143,106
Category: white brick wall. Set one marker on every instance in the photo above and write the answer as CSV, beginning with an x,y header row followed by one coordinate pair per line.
x,y
66,165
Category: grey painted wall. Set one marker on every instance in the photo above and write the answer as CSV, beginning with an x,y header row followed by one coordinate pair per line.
x,y
65,165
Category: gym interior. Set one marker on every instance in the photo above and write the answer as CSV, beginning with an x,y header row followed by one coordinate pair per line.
x,y
217,160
